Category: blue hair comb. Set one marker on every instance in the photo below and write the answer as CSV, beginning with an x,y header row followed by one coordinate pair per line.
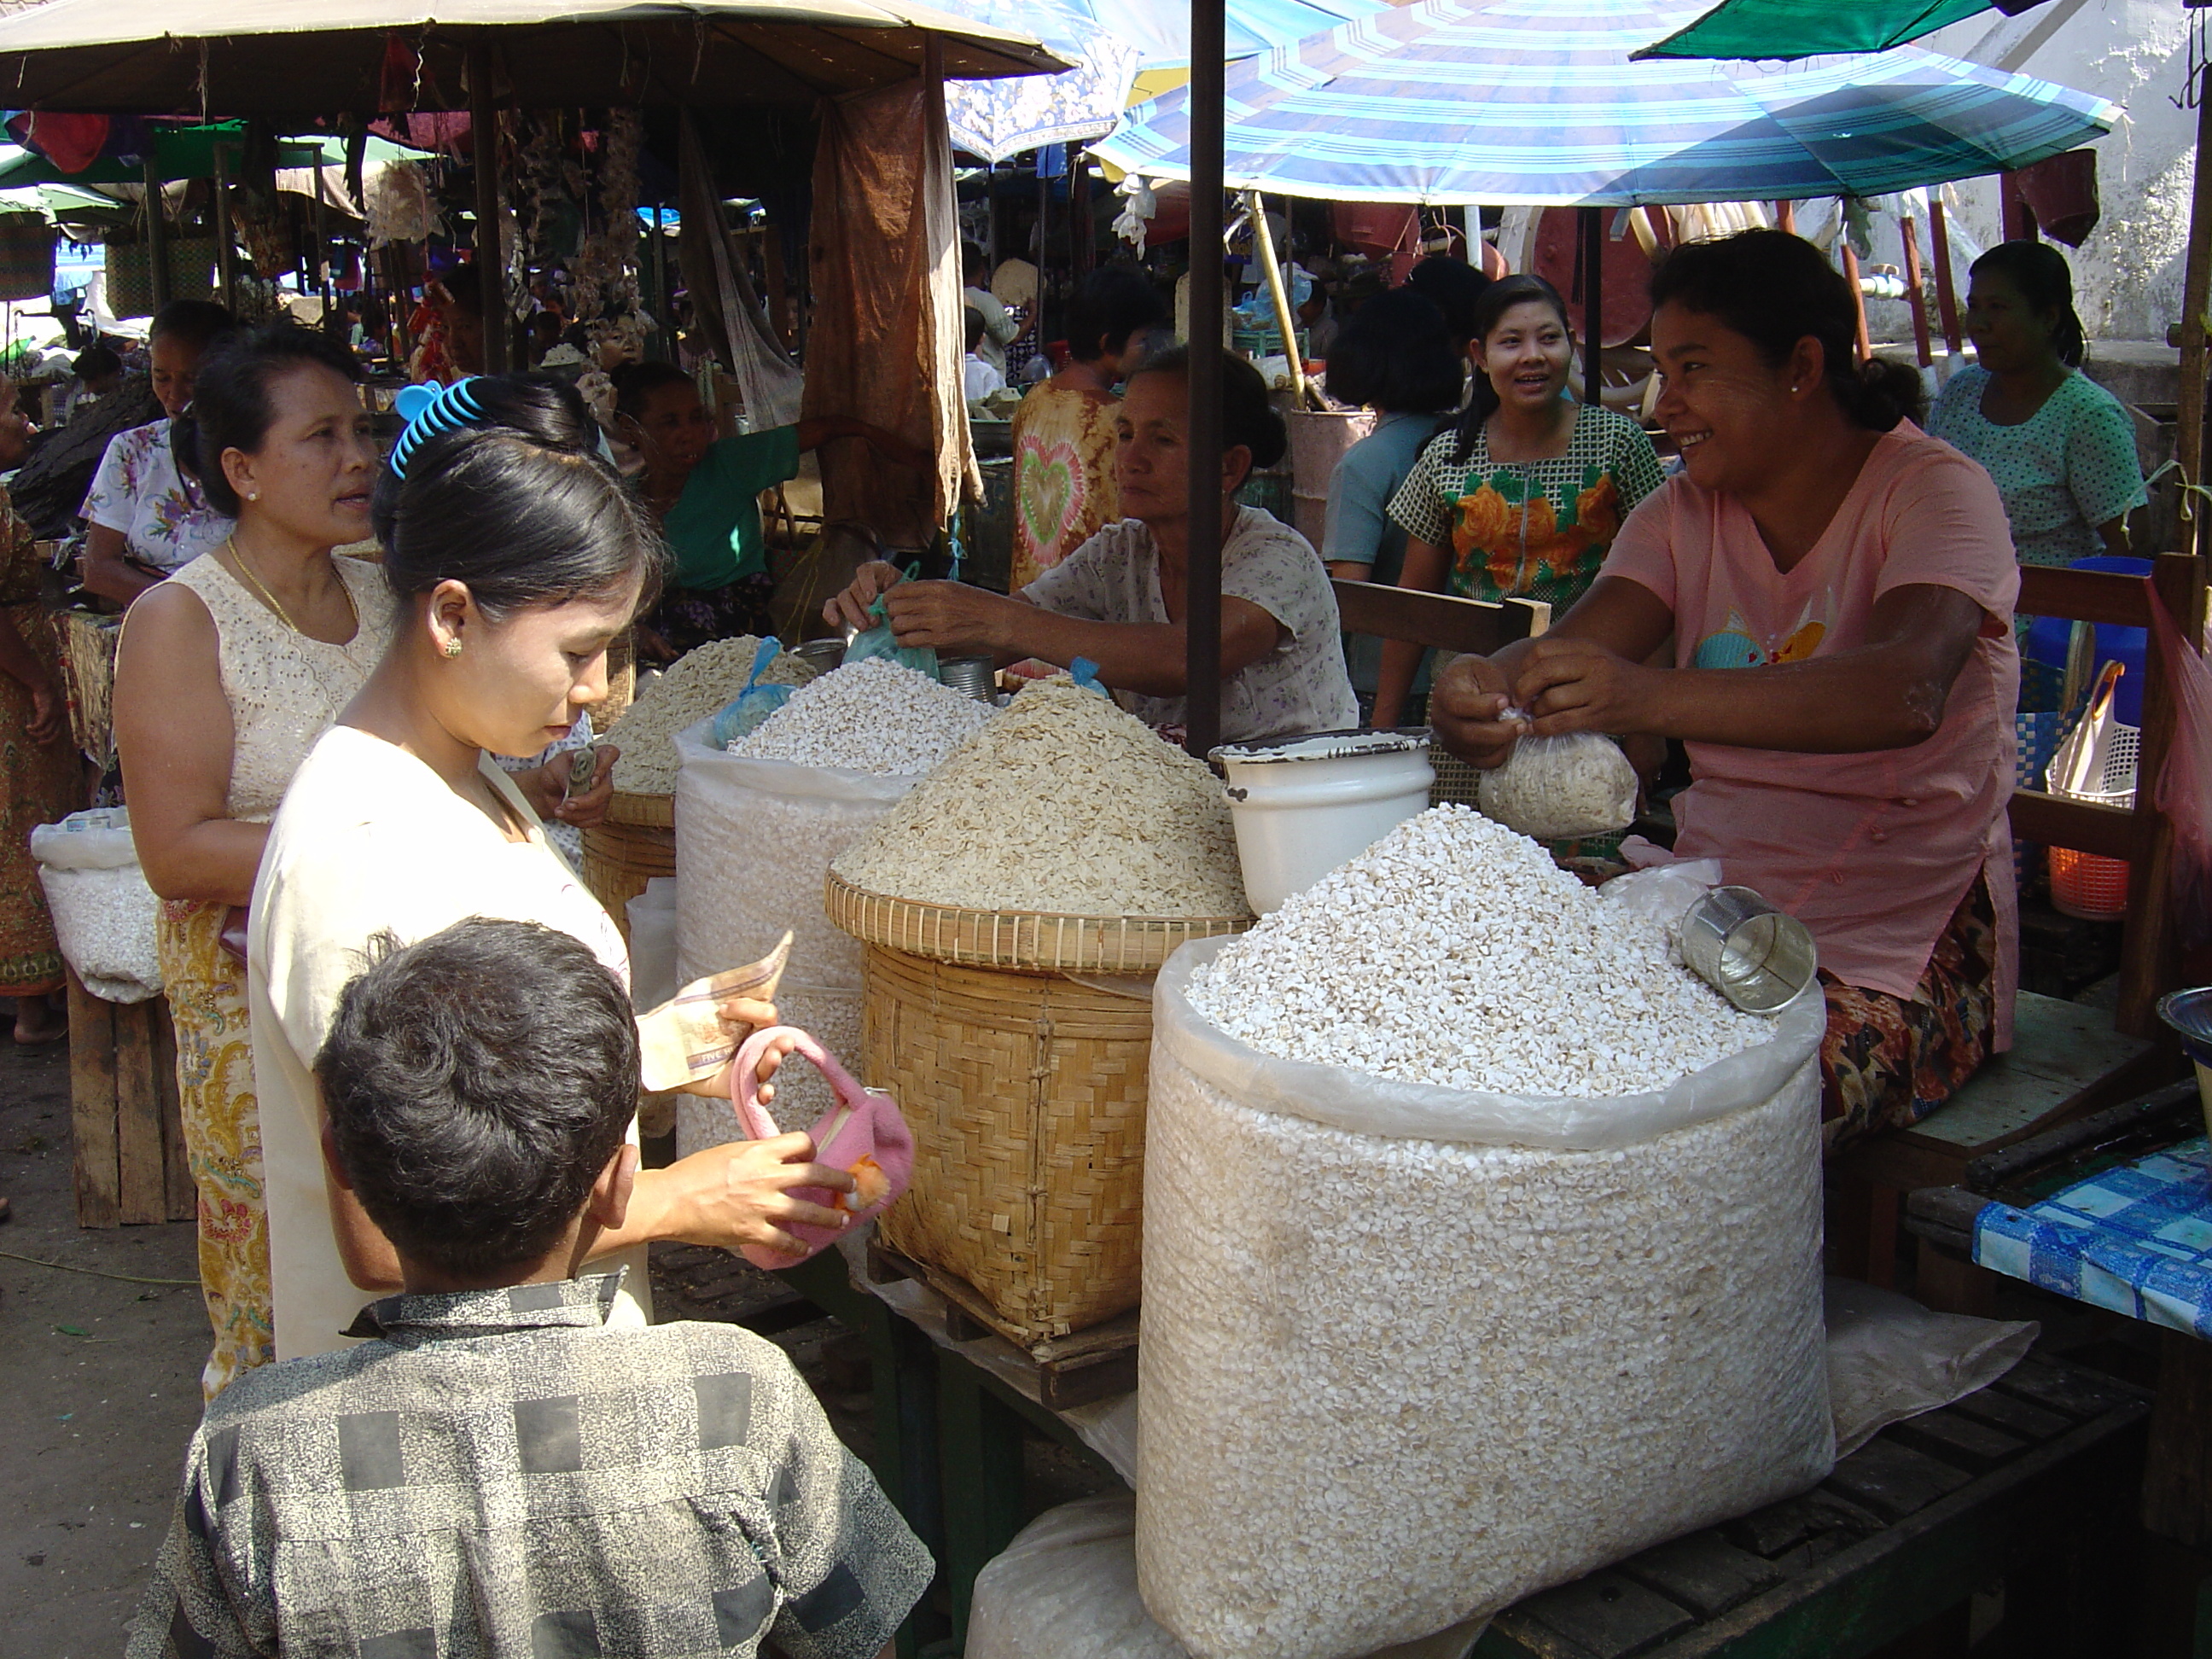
x,y
430,410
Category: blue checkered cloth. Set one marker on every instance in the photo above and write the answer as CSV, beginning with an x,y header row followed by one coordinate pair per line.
x,y
2136,1239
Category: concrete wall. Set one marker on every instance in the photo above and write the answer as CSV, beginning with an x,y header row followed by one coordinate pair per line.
x,y
2128,274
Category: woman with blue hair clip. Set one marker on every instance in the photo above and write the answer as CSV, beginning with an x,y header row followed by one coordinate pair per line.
x,y
225,675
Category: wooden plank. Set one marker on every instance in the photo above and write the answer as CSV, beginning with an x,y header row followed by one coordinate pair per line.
x,y
1440,620
1781,1526
1894,1481
2060,1050
1958,1439
181,1194
1704,1572
2061,1388
2110,831
92,1108
139,1152
2062,1497
2177,1492
2013,1416
2098,596
1606,1615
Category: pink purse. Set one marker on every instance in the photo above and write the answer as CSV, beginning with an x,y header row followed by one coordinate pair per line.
x,y
864,1134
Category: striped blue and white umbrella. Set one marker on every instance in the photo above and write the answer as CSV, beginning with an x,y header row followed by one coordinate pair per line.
x,y
1536,101
1108,42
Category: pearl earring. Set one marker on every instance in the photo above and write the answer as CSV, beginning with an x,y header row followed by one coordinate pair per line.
x,y
253,494
453,648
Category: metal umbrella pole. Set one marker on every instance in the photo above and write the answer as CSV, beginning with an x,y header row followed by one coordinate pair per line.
x,y
1202,601
1591,223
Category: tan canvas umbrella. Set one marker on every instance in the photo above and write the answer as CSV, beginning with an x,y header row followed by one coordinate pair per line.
x,y
363,56
319,58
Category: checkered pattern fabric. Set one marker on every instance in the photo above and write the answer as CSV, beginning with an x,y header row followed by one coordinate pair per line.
x,y
497,1475
2136,1239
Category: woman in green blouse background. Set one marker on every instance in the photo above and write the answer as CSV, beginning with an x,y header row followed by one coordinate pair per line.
x,y
704,493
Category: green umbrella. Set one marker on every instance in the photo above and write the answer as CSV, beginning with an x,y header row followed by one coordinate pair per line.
x,y
1814,29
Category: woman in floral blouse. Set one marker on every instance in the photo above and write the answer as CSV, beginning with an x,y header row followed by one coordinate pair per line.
x,y
1524,497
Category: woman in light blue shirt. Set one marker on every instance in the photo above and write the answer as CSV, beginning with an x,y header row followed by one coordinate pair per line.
x,y
2061,448
1395,357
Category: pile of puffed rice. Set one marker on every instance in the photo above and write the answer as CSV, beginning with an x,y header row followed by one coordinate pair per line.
x,y
1065,804
1454,952
696,685
872,716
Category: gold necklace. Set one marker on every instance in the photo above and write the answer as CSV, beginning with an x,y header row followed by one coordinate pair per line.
x,y
237,558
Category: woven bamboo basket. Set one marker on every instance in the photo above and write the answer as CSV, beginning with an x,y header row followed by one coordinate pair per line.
x,y
636,843
1026,1093
86,643
1456,778
621,685
1032,941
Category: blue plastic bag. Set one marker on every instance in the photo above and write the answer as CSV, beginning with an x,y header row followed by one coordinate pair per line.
x,y
746,711
880,641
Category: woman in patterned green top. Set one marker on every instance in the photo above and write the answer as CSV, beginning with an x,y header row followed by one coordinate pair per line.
x,y
1524,497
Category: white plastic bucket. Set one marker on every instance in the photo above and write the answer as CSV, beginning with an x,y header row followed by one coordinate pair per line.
x,y
1302,805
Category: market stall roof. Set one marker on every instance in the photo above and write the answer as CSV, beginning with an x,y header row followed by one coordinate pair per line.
x,y
282,57
1536,101
1817,28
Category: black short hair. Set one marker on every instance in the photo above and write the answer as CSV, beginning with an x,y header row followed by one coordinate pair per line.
x,y
477,1083
975,325
519,505
1395,354
635,383
1455,287
973,262
2045,280
1249,416
95,360
231,406
198,323
1776,290
1115,303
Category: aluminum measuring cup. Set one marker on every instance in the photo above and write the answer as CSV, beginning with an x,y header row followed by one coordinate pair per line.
x,y
1752,954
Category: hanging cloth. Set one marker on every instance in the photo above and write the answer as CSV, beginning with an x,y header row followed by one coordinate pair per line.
x,y
723,299
888,334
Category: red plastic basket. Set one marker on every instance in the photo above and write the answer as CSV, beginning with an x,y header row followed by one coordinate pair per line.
x,y
2088,886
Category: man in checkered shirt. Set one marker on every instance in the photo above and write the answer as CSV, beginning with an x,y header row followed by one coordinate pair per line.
x,y
495,1471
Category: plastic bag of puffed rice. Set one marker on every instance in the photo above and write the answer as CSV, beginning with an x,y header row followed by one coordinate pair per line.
x,y
104,913
1561,788
1066,1588
1470,1345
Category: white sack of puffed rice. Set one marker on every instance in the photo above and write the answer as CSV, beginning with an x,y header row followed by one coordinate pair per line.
x,y
1411,1352
103,911
754,839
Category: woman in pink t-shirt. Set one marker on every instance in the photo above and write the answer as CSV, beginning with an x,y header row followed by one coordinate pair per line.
x,y
1837,587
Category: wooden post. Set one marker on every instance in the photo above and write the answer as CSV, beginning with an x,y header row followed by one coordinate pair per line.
x,y
1202,592
1785,216
2019,218
1912,294
483,138
1858,295
226,246
1591,223
157,233
1264,238
1947,297
2195,296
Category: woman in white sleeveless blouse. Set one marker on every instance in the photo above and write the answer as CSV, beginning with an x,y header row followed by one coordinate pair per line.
x,y
227,674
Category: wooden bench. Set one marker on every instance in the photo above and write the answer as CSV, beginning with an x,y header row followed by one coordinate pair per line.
x,y
1442,622
2031,1481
